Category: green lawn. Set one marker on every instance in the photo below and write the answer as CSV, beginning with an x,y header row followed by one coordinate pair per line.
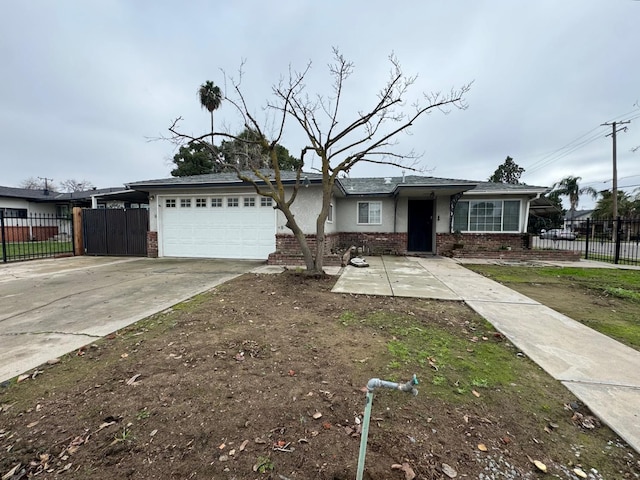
x,y
607,300
17,251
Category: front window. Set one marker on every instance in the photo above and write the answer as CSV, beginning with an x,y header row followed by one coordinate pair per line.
x,y
487,216
21,212
370,213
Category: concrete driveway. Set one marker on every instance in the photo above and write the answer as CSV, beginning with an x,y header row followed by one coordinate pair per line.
x,y
52,307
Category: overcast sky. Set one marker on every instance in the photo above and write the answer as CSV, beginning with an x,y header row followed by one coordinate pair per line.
x,y
85,84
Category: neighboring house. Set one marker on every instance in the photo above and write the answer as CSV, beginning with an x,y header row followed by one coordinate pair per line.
x,y
217,215
42,214
21,202
575,217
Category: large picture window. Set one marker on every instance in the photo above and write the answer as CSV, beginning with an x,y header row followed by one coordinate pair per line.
x,y
370,213
487,216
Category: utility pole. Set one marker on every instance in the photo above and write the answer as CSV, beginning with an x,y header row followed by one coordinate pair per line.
x,y
614,186
46,184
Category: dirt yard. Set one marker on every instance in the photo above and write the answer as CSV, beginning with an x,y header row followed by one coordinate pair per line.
x,y
263,378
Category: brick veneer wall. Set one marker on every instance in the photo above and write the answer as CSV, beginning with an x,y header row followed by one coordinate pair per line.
x,y
152,244
481,242
288,252
508,246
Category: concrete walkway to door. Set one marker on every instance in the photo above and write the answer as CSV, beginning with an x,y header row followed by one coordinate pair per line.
x,y
600,371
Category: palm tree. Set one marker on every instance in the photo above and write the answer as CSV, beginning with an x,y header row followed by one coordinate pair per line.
x,y
604,207
210,98
569,187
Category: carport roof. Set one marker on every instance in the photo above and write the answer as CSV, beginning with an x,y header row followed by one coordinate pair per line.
x,y
51,196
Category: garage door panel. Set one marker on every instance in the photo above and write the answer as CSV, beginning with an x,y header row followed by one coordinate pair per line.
x,y
217,232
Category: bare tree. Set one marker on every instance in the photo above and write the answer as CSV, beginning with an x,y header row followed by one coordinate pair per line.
x,y
38,183
370,137
72,185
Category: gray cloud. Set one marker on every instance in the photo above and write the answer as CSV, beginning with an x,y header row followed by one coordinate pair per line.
x,y
85,84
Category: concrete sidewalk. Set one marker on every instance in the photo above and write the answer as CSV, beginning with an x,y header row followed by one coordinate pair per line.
x,y
603,373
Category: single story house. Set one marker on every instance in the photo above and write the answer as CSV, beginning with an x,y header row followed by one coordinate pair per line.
x,y
30,214
23,202
573,218
217,215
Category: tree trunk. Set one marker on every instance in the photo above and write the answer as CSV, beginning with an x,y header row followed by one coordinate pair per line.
x,y
211,127
327,189
319,261
302,241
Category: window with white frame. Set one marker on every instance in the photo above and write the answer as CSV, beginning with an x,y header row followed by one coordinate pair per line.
x,y
233,201
216,202
330,214
370,213
266,202
201,202
185,203
170,203
249,201
487,216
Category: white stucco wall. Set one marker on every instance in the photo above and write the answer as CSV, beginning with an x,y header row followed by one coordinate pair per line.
x,y
345,210
306,207
347,215
32,207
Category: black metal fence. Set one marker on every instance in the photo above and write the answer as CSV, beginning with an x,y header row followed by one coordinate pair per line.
x,y
26,237
613,240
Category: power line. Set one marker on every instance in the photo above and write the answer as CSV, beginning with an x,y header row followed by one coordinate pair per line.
x,y
576,144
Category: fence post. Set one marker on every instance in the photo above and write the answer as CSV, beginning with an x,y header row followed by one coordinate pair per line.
x,y
3,233
618,234
586,242
78,243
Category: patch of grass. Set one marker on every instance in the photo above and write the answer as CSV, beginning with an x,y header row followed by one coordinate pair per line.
x,y
601,298
623,293
454,361
126,436
599,279
143,414
192,303
27,249
347,318
264,465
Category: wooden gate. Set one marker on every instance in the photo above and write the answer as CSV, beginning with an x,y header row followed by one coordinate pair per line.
x,y
115,231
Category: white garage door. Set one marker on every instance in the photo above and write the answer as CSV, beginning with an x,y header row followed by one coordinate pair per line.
x,y
230,226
